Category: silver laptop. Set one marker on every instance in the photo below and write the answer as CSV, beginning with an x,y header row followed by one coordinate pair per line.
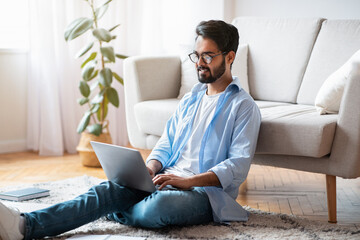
x,y
124,166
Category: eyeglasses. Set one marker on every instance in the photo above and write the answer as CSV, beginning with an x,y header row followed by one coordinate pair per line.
x,y
194,57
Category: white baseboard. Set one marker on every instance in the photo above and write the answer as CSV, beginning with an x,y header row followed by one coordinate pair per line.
x,y
8,146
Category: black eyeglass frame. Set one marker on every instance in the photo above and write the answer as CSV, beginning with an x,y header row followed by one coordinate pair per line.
x,y
202,57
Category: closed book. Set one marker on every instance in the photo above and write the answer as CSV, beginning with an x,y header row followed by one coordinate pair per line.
x,y
24,194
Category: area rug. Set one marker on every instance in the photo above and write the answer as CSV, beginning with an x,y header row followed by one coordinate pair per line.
x,y
261,225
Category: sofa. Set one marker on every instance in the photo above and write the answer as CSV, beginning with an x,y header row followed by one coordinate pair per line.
x,y
302,73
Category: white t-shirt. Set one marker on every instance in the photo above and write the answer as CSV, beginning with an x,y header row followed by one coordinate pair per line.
x,y
188,163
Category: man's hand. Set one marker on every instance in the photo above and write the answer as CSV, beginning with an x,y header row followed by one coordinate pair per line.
x,y
173,180
151,172
198,180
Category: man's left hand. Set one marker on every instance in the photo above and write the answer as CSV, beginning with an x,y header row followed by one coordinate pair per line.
x,y
173,180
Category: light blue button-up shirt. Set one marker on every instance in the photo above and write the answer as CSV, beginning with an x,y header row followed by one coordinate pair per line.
x,y
227,147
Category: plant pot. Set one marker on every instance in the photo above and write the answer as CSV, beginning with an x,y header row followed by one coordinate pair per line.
x,y
87,155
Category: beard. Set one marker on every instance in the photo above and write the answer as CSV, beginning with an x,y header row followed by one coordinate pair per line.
x,y
218,72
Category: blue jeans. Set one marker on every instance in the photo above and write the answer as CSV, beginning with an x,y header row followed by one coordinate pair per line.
x,y
125,205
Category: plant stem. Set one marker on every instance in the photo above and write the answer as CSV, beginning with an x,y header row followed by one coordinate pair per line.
x,y
102,116
92,115
93,12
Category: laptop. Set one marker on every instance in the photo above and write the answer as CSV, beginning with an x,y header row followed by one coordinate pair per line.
x,y
125,166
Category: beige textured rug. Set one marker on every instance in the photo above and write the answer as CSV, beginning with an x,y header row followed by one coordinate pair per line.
x,y
261,225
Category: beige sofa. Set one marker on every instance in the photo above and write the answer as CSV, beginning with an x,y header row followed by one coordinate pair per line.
x,y
287,62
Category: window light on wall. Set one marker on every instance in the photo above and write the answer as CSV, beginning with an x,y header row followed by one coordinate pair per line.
x,y
14,18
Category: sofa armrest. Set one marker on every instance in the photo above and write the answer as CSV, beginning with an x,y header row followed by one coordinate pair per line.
x,y
345,151
148,78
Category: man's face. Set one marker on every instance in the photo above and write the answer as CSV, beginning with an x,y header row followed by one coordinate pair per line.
x,y
209,73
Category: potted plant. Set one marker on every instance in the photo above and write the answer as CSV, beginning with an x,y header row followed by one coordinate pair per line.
x,y
97,78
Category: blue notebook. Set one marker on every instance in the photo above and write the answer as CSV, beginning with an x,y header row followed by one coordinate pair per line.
x,y
24,194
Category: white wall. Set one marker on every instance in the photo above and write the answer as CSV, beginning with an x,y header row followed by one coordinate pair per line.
x,y
334,9
13,98
175,28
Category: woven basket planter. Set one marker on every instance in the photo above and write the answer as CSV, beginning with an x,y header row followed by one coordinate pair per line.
x,y
87,155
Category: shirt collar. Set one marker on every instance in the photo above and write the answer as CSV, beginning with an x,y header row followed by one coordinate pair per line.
x,y
202,86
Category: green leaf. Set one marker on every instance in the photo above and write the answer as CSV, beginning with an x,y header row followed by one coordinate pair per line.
x,y
107,2
95,129
113,96
71,26
88,70
117,77
105,77
94,85
99,97
100,11
104,107
84,50
77,28
121,56
108,52
84,122
82,101
91,57
95,108
102,34
94,75
114,27
84,88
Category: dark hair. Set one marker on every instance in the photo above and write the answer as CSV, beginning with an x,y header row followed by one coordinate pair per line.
x,y
225,35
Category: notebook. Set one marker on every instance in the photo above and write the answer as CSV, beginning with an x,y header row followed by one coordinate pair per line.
x,y
24,194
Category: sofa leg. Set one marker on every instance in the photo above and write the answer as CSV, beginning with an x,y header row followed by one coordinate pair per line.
x,y
331,197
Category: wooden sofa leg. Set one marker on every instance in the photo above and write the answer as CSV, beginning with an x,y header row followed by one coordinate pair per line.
x,y
331,197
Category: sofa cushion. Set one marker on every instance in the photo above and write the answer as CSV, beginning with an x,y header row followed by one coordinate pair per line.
x,y
330,94
188,74
338,40
268,104
279,50
292,129
239,67
151,116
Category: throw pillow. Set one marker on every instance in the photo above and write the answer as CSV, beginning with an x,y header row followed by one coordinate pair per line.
x,y
189,75
240,66
329,96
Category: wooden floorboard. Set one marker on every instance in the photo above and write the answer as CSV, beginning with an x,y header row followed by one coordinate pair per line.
x,y
268,188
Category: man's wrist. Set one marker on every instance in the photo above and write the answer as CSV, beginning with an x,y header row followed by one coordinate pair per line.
x,y
154,165
204,179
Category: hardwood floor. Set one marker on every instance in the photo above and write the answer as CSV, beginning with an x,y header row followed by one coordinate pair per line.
x,y
300,193
268,188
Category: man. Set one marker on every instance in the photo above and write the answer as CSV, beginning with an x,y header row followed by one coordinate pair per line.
x,y
205,152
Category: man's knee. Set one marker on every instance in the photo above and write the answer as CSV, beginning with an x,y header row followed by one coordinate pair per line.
x,y
105,191
158,210
101,188
150,213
